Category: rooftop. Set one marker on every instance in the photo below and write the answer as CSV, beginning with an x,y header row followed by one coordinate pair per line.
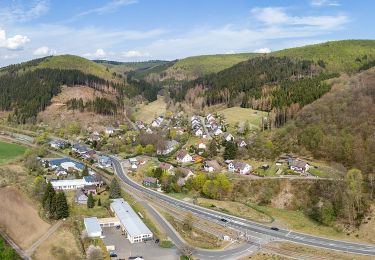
x,y
128,218
92,225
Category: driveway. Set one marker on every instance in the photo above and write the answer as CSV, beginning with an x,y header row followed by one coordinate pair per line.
x,y
148,250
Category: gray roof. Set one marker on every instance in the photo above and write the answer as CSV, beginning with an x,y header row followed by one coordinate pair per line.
x,y
128,218
92,225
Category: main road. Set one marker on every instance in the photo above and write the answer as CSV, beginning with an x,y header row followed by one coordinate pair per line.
x,y
244,225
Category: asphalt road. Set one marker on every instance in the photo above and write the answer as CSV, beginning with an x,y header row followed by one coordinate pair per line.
x,y
243,224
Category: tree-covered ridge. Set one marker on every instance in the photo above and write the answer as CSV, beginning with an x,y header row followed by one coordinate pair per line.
x,y
31,92
99,105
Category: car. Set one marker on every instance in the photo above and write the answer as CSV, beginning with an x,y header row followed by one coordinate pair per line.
x,y
224,220
112,254
275,228
157,240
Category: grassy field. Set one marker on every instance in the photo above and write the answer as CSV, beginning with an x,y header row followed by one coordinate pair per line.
x,y
72,62
19,217
202,65
235,115
235,208
147,113
61,245
339,56
9,151
82,210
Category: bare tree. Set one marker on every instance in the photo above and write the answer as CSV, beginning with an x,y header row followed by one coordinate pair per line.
x,y
94,253
371,179
187,250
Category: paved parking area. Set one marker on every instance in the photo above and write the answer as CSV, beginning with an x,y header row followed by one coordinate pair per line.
x,y
148,250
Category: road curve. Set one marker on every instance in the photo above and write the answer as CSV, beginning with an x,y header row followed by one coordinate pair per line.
x,y
243,224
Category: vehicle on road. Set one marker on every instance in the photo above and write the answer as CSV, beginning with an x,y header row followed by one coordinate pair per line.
x,y
157,241
112,254
224,220
275,228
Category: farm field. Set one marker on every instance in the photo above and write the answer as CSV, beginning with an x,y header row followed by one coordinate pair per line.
x,y
235,115
9,151
61,245
20,217
147,113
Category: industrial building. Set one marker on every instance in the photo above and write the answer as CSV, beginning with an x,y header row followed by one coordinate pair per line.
x,y
125,217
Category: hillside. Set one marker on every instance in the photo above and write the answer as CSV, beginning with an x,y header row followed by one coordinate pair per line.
x,y
196,66
340,126
338,56
71,62
124,67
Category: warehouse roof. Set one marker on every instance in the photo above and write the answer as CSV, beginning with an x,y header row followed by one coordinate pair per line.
x,y
129,219
92,225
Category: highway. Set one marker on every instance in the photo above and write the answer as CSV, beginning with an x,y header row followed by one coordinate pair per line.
x,y
247,225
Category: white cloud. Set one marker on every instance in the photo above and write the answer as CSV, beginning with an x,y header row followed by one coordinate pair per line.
x,y
135,54
320,3
20,13
44,51
109,7
276,16
14,43
263,50
99,53
230,52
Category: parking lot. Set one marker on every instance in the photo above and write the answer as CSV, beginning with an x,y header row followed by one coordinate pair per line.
x,y
124,249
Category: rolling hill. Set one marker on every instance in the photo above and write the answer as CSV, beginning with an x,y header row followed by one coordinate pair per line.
x,y
124,67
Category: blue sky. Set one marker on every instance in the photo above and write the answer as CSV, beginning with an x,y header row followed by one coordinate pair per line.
x,y
135,30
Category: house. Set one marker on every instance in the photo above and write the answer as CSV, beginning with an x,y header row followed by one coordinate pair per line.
x,y
149,130
105,161
198,132
140,125
87,189
58,144
166,167
183,156
80,149
68,184
90,154
212,166
94,137
298,165
133,160
157,122
228,137
109,130
169,146
217,131
201,145
241,143
241,167
60,171
94,179
80,197
197,158
150,182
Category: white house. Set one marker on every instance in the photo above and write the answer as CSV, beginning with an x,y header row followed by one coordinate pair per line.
x,y
217,131
199,132
212,166
68,184
241,143
201,145
228,137
241,167
184,157
298,166
157,122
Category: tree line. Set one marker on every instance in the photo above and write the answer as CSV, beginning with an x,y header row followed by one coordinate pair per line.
x,y
99,105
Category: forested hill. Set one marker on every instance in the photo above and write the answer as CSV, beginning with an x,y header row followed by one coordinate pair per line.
x,y
27,88
340,126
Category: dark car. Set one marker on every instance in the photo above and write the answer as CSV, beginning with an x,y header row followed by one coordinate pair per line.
x,y
112,254
275,228
157,240
224,220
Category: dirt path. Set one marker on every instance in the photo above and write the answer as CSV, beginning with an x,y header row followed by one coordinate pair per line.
x,y
33,247
14,246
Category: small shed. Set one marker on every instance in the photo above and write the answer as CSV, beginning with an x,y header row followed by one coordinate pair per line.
x,y
92,227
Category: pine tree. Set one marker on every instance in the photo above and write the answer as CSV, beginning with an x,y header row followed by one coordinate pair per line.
x,y
49,200
212,148
85,171
99,202
230,151
62,208
114,189
90,201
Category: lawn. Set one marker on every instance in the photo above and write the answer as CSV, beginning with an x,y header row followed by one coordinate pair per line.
x,y
82,210
235,115
147,113
10,151
235,208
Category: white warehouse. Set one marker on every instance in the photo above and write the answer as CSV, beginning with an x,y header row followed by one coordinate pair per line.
x,y
135,230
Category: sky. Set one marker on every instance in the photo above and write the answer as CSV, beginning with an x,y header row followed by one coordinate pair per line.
x,y
137,30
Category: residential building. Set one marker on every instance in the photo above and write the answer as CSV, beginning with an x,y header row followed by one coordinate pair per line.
x,y
298,165
150,182
166,167
228,137
81,197
89,189
240,167
105,161
183,156
169,146
212,166
241,142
